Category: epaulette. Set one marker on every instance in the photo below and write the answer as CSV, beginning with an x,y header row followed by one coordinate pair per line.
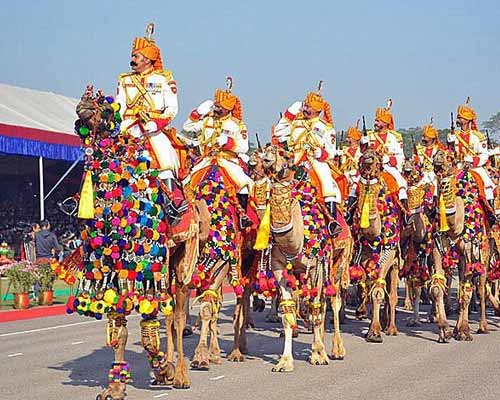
x,y
478,134
167,74
397,135
124,75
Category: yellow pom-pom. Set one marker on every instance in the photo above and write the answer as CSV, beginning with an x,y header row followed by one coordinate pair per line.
x,y
110,297
146,307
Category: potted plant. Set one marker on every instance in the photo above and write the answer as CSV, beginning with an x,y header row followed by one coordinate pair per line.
x,y
46,278
21,278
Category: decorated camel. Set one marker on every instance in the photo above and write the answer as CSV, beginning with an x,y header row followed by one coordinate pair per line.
x,y
305,259
377,236
465,241
130,259
416,236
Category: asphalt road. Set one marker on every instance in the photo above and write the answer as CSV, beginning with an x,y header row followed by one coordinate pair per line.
x,y
65,357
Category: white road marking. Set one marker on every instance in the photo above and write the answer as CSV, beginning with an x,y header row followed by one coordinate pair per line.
x,y
157,396
15,354
80,342
49,328
217,378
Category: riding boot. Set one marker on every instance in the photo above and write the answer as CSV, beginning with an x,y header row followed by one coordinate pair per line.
x,y
172,211
334,227
405,211
351,200
244,220
490,213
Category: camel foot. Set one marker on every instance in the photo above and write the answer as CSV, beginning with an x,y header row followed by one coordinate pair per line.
x,y
215,357
115,391
181,377
272,318
201,359
285,364
391,331
464,336
374,337
413,323
361,314
236,356
318,358
442,339
483,328
408,306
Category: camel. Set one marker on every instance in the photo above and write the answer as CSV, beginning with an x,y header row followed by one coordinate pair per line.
x,y
303,249
222,248
110,292
416,237
465,216
377,219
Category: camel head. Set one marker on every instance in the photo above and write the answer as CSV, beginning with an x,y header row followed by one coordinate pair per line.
x,y
443,163
256,164
370,165
277,162
96,113
412,171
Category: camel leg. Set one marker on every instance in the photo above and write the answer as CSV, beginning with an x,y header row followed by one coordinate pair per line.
x,y
392,330
119,374
374,334
338,350
483,323
201,356
238,327
361,311
209,314
181,377
273,316
416,291
288,309
162,367
462,330
317,312
408,305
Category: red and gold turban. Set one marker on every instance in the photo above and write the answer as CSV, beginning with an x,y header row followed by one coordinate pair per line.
x,y
148,49
430,132
230,102
317,103
466,112
384,115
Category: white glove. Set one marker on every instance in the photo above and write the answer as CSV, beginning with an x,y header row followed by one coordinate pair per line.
x,y
469,159
244,157
151,127
222,140
317,153
385,159
451,138
364,140
205,107
295,108
495,151
339,152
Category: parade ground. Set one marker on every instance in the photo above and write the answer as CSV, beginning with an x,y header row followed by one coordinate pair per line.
x,y
64,357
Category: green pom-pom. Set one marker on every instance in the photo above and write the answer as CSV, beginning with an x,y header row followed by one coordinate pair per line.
x,y
84,131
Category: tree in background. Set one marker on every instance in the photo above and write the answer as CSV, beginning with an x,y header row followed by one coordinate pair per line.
x,y
493,126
